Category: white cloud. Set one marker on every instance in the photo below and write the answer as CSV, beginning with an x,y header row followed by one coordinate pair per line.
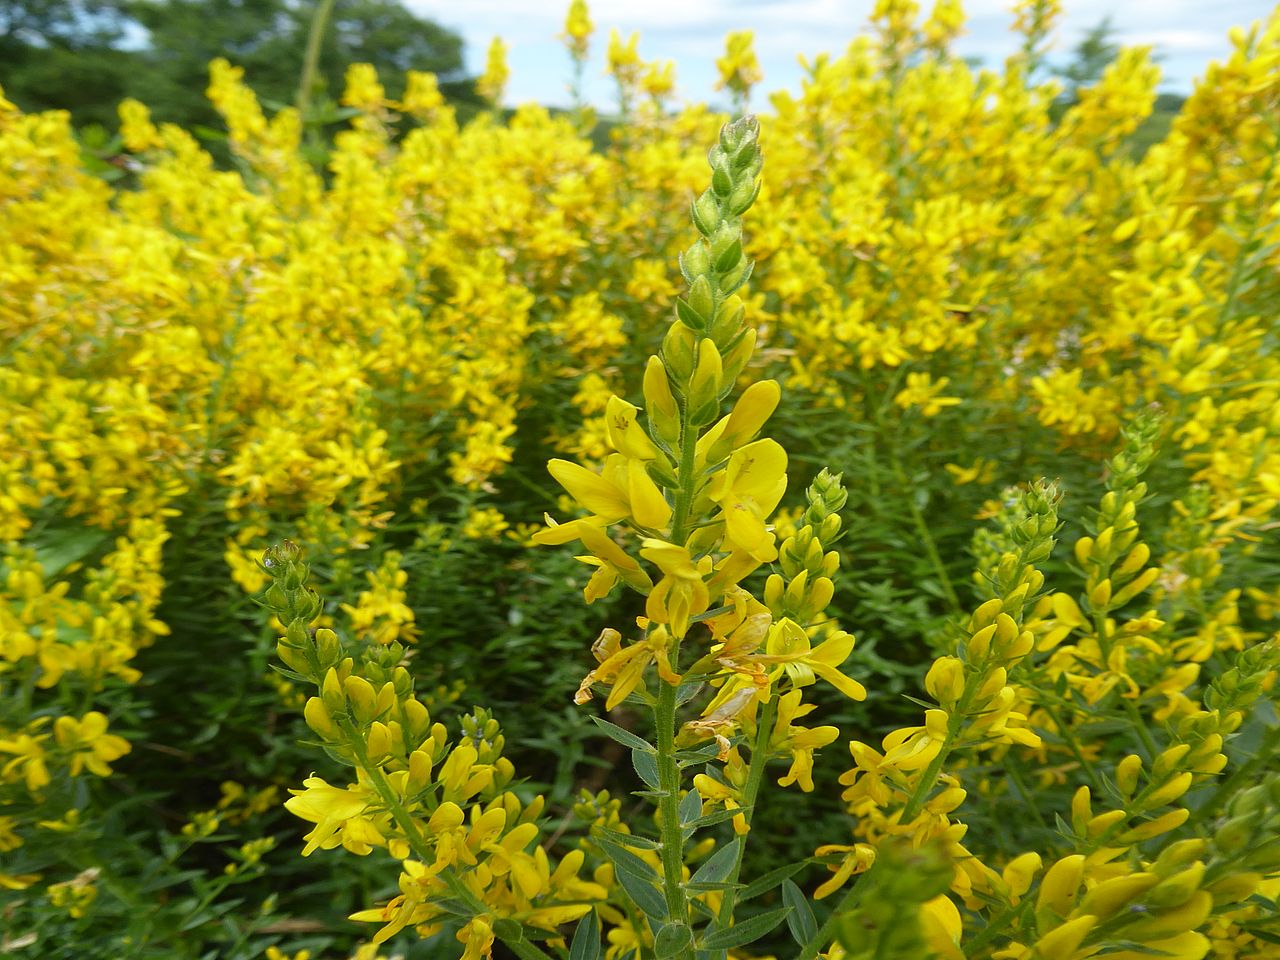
x,y
1187,34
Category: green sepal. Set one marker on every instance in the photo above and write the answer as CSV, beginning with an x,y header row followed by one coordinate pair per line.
x,y
689,316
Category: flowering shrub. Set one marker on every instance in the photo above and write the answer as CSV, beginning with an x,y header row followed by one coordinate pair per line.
x,y
945,290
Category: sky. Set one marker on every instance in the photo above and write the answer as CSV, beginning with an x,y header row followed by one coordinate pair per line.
x,y
1187,34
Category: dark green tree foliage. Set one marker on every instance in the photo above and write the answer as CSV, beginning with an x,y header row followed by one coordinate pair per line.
x,y
85,55
58,53
1096,51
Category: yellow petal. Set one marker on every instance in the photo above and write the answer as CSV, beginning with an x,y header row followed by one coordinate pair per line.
x,y
593,491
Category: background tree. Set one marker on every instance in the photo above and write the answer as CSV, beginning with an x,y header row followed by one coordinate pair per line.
x,y
85,55
1096,51
58,53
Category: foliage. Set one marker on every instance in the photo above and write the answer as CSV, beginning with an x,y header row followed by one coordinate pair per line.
x,y
85,58
954,292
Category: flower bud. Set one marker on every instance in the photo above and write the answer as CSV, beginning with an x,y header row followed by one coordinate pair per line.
x,y
1127,771
362,697
945,680
1061,943
704,385
1058,888
1176,890
1109,896
1019,873
319,719
378,742
678,353
1153,828
1166,923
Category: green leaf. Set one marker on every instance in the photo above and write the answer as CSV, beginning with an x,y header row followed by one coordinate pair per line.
x,y
686,692
720,864
625,861
801,921
1131,946
623,735
644,894
504,928
66,547
768,881
695,755
586,939
748,931
711,819
672,939
646,765
626,839
690,807
705,886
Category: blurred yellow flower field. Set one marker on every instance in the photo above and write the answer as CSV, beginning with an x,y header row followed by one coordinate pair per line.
x,y
924,355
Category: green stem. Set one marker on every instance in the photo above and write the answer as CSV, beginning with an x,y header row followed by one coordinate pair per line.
x,y
1070,740
1028,797
755,777
1140,727
922,529
997,924
669,806
688,482
955,718
311,60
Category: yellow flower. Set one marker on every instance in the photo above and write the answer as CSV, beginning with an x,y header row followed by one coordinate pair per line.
x,y
577,28
337,813
493,81
682,592
739,69
90,745
922,392
478,937
799,741
748,490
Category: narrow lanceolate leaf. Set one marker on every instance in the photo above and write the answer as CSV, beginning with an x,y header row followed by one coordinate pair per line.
x,y
586,939
644,894
690,807
624,861
626,839
623,735
770,880
748,931
720,865
646,765
718,816
800,921
504,928
705,886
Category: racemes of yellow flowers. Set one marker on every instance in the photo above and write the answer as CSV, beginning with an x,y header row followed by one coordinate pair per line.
x,y
965,280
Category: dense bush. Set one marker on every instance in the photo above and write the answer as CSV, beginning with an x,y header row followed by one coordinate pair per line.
x,y
958,289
